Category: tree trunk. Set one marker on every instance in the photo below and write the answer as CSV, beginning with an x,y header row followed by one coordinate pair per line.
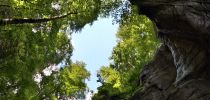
x,y
181,67
31,20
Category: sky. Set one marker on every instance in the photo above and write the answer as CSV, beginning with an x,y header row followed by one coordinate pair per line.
x,y
93,45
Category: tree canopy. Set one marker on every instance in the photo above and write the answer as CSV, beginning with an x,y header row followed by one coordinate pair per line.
x,y
35,35
36,49
136,46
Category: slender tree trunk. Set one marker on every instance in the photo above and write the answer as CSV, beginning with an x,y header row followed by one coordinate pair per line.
x,y
31,20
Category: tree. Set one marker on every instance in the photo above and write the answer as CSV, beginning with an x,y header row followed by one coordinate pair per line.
x,y
33,39
35,35
69,82
136,46
26,53
111,84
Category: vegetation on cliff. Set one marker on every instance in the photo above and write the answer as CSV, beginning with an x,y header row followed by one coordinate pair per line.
x,y
136,46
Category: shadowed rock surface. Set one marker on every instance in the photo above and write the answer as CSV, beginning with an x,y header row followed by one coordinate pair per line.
x,y
181,68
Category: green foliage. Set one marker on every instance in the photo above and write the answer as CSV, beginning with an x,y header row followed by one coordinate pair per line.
x,y
74,77
109,76
25,53
136,46
68,82
107,92
28,48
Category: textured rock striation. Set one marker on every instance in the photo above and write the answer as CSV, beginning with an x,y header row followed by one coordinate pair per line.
x,y
181,68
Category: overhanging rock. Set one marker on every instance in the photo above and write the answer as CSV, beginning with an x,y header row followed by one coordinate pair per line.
x,y
182,72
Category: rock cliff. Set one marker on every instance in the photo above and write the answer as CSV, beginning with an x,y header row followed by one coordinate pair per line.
x,y
180,69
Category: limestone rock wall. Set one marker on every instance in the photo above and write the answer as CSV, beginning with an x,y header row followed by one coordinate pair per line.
x,y
181,67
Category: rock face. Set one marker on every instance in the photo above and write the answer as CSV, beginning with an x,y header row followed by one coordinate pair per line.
x,y
181,68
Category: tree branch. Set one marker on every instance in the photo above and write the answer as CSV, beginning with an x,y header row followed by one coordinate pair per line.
x,y
31,20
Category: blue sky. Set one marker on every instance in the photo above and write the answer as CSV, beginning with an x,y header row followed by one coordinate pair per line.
x,y
93,45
